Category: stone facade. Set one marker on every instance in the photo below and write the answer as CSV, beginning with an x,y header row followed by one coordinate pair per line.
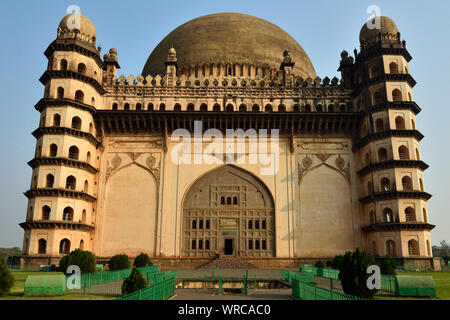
x,y
350,170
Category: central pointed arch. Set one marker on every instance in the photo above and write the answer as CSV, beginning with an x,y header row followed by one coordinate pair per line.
x,y
229,209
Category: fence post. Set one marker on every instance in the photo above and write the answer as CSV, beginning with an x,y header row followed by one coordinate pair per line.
x,y
205,282
255,281
212,274
331,284
220,285
245,285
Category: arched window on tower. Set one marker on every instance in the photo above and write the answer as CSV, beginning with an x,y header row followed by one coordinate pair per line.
x,y
194,224
82,68
200,224
82,244
71,183
42,246
393,68
229,108
413,247
410,215
257,224
385,184
64,246
115,106
74,153
86,186
374,71
79,96
49,180
83,216
281,108
68,214
421,185
396,95
56,120
228,200
53,150
63,64
76,123
250,244
377,97
372,217
177,107
88,157
162,107
403,153
45,213
388,215
296,108
390,248
382,154
126,106
407,183
400,123
60,93
250,224
268,108
216,107
190,107
150,107
242,108
255,108
138,106
379,125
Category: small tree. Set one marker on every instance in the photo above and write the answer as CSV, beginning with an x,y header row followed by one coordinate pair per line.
x,y
119,262
142,260
83,259
6,278
134,282
388,266
353,273
319,264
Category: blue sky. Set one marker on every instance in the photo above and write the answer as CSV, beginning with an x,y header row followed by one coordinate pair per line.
x,y
323,29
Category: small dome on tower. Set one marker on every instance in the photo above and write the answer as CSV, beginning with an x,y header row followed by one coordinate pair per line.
x,y
387,26
76,21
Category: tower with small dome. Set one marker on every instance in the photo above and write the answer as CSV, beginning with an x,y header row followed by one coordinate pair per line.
x,y
350,171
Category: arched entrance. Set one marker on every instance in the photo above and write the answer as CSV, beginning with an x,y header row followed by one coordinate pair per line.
x,y
228,212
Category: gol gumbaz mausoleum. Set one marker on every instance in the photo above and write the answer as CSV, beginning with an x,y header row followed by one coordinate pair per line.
x,y
350,169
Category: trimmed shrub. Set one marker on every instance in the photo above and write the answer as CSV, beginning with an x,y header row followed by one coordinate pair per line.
x,y
134,282
6,278
84,259
319,264
388,266
353,273
142,260
336,263
119,262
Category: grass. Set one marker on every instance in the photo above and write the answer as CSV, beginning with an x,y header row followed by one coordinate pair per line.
x,y
16,292
441,281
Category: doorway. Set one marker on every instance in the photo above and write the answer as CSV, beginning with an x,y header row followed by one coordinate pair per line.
x,y
228,247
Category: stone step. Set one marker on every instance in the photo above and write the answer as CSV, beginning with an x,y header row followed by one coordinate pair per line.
x,y
224,263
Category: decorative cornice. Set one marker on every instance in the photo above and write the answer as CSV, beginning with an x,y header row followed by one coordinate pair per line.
x,y
397,77
379,50
42,161
391,195
388,105
65,74
388,134
74,45
47,224
398,226
39,132
65,193
393,164
44,103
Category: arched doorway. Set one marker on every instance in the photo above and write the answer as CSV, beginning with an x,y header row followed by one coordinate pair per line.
x,y
228,212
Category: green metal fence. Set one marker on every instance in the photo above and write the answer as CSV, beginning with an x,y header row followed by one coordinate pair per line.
x,y
321,272
161,287
305,277
306,291
389,283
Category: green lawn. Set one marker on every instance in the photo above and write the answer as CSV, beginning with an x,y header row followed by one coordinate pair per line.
x,y
16,292
441,281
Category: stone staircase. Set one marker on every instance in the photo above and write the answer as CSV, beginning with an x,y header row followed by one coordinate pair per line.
x,y
228,263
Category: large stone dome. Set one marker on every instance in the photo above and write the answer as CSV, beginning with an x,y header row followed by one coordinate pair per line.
x,y
233,38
